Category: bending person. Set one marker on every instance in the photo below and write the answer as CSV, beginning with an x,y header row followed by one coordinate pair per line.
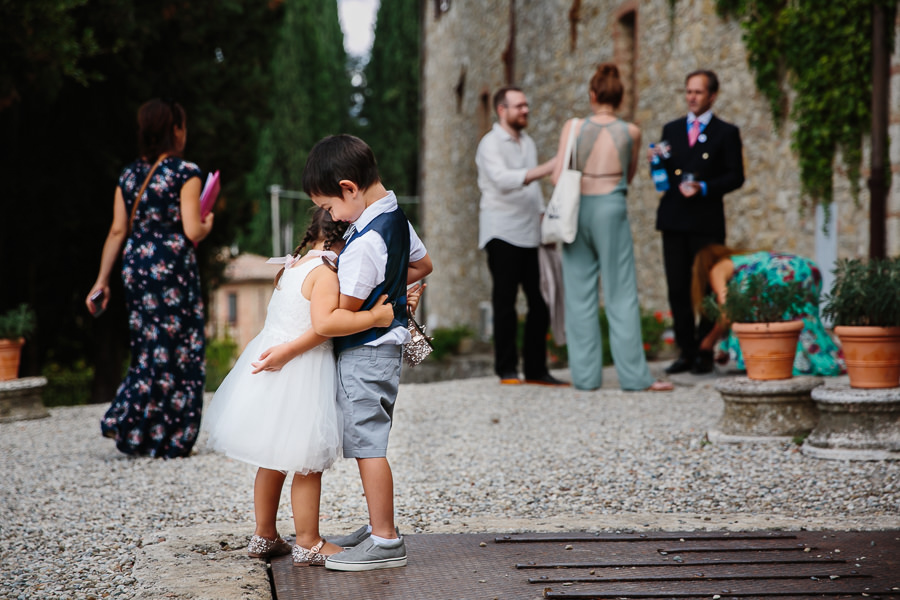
x,y
715,265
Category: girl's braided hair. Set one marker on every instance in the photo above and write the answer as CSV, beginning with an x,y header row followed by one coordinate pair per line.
x,y
321,227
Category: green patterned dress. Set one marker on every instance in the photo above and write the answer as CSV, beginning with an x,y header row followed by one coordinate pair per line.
x,y
817,352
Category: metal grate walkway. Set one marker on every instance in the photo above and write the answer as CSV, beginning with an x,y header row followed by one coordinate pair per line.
x,y
707,565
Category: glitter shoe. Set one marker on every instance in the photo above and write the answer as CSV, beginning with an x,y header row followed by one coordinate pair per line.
x,y
260,547
310,557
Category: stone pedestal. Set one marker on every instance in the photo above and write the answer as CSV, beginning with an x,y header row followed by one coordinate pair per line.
x,y
855,424
757,410
21,399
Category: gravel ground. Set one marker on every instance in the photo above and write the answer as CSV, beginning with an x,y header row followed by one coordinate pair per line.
x,y
467,455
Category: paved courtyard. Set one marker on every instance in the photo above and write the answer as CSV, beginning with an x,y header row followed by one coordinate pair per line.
x,y
80,520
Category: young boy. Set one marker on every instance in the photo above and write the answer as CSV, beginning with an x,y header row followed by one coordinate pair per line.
x,y
382,255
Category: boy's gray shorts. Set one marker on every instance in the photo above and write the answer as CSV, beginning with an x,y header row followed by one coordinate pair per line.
x,y
368,378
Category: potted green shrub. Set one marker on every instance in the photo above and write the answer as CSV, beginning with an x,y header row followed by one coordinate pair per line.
x,y
15,324
765,318
864,306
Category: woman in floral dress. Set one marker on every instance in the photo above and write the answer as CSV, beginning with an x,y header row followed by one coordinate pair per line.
x,y
156,411
715,265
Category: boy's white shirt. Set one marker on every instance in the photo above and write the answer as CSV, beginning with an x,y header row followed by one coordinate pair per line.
x,y
362,264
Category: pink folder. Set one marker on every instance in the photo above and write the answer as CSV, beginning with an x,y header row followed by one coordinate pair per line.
x,y
209,194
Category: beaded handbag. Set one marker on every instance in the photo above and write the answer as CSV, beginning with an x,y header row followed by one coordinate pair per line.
x,y
419,346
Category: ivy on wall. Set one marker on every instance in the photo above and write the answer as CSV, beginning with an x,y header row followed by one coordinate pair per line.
x,y
822,51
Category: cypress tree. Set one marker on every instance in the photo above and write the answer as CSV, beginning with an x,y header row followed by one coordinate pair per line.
x,y
391,107
310,99
72,75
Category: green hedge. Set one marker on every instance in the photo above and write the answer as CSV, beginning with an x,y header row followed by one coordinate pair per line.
x,y
220,357
67,386
653,325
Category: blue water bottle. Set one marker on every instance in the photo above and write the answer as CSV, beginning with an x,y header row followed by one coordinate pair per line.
x,y
658,172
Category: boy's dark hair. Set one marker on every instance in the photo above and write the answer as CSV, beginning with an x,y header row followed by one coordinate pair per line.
x,y
156,127
338,157
321,227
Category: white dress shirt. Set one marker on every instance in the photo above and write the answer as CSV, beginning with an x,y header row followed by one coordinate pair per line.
x,y
704,119
510,210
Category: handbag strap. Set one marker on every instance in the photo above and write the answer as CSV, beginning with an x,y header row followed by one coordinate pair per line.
x,y
572,147
137,199
418,327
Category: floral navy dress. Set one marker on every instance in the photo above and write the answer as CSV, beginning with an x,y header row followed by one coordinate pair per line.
x,y
817,352
156,411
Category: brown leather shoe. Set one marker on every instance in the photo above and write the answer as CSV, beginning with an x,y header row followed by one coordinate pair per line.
x,y
510,379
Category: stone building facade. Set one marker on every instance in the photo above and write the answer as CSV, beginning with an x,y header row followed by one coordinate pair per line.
x,y
238,306
550,48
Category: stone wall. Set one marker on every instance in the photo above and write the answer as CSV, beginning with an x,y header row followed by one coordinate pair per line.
x,y
464,49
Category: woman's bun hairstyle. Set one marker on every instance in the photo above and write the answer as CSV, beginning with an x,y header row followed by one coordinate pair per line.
x,y
606,85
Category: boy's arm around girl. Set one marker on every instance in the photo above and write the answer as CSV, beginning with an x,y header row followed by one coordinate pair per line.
x,y
328,320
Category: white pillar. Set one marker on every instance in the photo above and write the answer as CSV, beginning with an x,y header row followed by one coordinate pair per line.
x,y
826,248
274,191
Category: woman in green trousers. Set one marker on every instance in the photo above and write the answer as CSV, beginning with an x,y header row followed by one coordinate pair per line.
x,y
607,155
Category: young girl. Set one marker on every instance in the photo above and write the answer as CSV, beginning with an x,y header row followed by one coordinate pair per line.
x,y
279,412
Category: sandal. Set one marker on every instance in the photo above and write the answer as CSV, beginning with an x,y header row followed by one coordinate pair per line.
x,y
661,386
310,557
260,547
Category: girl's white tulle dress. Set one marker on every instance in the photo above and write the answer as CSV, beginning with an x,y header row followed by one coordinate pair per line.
x,y
285,420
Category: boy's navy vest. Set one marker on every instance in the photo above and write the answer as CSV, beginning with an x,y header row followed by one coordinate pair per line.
x,y
394,230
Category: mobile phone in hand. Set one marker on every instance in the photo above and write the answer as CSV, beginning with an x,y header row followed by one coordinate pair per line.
x,y
97,300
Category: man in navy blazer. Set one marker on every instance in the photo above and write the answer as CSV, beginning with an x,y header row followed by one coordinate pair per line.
x,y
705,163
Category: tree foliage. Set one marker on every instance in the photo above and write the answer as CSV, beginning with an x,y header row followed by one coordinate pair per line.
x,y
41,46
310,99
823,52
72,76
391,106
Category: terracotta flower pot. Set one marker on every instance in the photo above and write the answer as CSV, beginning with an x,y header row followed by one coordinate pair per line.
x,y
768,348
10,355
872,355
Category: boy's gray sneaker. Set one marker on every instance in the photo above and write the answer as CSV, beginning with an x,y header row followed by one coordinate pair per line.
x,y
353,539
366,556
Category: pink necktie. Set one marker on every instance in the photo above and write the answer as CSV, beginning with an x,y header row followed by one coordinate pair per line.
x,y
694,133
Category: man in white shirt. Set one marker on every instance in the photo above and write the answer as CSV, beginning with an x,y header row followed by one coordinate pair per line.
x,y
510,232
